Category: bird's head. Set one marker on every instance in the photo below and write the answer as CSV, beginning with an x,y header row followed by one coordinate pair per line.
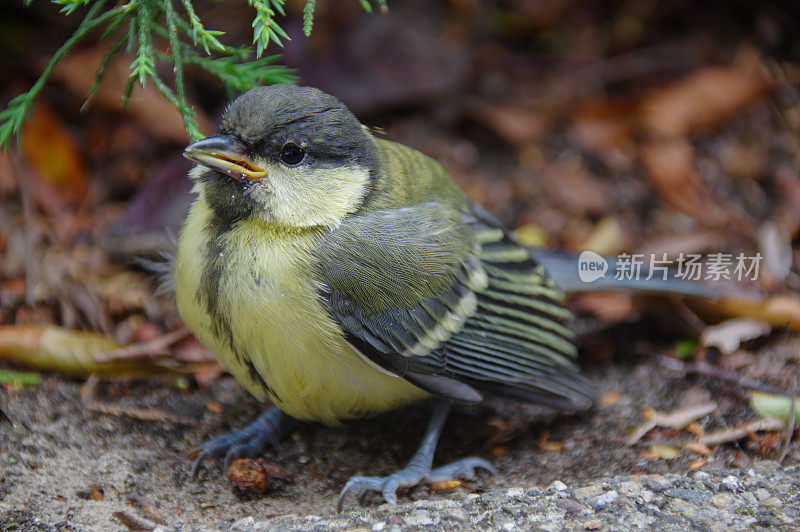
x,y
290,156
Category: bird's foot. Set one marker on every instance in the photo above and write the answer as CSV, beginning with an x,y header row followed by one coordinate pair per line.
x,y
409,476
267,429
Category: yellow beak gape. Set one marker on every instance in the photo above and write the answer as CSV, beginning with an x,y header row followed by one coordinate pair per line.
x,y
224,154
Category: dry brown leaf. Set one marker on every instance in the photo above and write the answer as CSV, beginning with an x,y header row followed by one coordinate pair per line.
x,y
147,105
697,448
53,348
606,238
607,123
669,164
706,98
610,398
446,485
778,311
664,452
737,433
514,125
53,154
575,189
729,335
676,419
697,464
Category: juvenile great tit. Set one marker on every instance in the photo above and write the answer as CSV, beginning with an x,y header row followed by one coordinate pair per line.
x,y
339,275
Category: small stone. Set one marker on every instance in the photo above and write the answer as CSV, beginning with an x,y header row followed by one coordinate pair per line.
x,y
687,494
557,485
647,496
587,492
722,500
377,527
701,476
730,483
456,514
245,523
765,466
420,518
657,483
762,494
515,493
605,499
772,502
572,506
593,524
749,498
679,506
630,489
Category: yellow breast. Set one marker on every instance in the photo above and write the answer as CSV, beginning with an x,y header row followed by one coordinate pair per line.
x,y
269,327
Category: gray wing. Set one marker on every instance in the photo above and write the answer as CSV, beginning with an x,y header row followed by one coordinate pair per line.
x,y
449,302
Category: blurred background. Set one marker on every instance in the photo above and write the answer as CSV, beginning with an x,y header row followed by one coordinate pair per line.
x,y
621,126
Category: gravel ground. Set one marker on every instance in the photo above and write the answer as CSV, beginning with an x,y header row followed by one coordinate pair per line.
x,y
57,457
762,496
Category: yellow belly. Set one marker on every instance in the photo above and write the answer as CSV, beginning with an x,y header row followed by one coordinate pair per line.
x,y
276,322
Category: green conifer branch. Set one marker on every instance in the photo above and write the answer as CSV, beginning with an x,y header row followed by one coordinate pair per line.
x,y
138,23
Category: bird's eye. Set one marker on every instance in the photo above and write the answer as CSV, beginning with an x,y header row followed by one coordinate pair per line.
x,y
292,154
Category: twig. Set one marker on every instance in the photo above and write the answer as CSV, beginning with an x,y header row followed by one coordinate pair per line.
x,y
707,370
88,397
156,346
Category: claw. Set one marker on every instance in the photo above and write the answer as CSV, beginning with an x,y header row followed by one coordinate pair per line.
x,y
268,428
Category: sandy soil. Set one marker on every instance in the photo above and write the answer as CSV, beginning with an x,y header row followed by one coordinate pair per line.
x,y
54,452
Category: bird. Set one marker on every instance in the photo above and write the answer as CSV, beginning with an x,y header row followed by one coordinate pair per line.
x,y
340,275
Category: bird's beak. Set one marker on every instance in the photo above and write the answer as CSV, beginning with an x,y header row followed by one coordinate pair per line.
x,y
224,154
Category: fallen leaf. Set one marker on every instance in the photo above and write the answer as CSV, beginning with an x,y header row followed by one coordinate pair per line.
x,y
445,485
775,243
697,448
737,433
80,353
50,150
778,311
706,98
664,452
606,123
574,188
609,398
606,238
729,335
775,406
669,165
514,125
676,419
697,464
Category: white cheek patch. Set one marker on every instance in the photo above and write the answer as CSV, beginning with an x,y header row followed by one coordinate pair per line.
x,y
303,197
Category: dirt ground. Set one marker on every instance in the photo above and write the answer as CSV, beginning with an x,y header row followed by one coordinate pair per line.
x,y
55,454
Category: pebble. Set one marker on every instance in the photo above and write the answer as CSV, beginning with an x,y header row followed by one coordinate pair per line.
x,y
605,499
722,500
762,494
420,518
772,502
587,492
713,501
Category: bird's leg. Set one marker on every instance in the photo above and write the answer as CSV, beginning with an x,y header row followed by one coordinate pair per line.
x,y
419,468
267,429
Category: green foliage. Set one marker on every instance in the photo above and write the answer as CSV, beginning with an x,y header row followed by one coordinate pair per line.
x,y
138,25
